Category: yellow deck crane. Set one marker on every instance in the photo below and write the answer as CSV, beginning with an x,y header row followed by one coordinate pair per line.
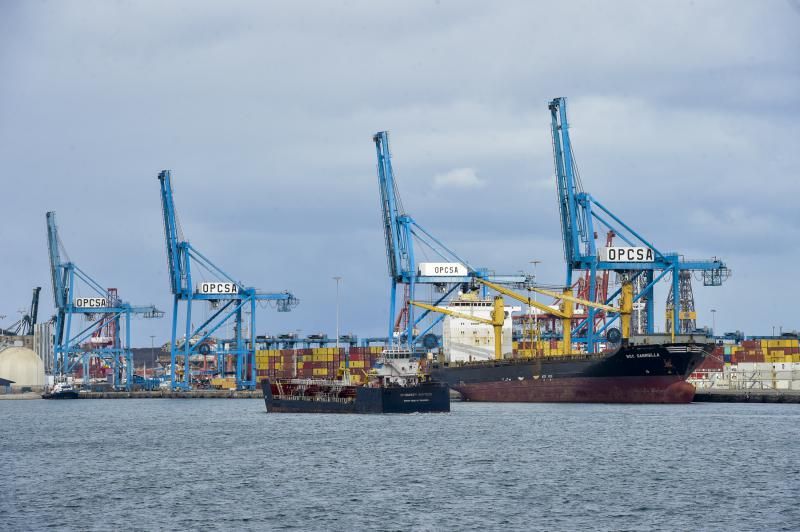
x,y
497,321
565,312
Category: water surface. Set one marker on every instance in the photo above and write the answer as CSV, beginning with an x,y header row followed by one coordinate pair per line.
x,y
226,464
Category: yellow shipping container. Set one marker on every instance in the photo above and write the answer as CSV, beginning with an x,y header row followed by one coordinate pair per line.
x,y
320,372
300,365
356,364
223,384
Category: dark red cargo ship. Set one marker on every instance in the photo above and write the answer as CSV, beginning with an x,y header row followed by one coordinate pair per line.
x,y
644,373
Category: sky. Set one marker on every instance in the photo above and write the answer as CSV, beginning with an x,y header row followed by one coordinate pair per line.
x,y
684,121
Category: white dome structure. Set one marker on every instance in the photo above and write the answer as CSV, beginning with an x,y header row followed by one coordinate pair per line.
x,y
23,366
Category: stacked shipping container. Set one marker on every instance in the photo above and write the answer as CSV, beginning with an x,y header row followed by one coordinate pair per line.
x,y
542,348
315,363
753,351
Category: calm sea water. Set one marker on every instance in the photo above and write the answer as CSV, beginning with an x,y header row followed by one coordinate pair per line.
x,y
226,464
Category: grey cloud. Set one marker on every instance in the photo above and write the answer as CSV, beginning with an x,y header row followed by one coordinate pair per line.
x,y
682,114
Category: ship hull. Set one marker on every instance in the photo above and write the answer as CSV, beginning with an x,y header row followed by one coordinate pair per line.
x,y
632,374
424,398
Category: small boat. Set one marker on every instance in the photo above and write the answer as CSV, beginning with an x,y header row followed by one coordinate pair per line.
x,y
61,390
397,385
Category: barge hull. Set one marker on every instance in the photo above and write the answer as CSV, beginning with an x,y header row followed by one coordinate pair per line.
x,y
424,398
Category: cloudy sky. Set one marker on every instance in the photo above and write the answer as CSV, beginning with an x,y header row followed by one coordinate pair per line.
x,y
684,121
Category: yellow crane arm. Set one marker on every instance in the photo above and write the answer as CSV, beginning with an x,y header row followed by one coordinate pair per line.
x,y
523,299
453,313
566,313
584,302
497,321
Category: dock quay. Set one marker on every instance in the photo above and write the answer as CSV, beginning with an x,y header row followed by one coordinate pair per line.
x,y
175,394
747,396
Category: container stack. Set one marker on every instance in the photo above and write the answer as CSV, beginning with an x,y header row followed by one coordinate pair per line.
x,y
315,363
542,348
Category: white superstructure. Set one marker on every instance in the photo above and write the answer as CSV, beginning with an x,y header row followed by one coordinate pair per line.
x,y
464,340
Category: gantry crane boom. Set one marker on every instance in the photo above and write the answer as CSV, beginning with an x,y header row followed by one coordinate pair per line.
x,y
34,313
25,326
95,305
497,321
401,232
580,211
229,306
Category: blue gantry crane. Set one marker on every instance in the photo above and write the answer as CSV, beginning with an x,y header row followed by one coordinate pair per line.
x,y
638,260
401,232
228,298
76,295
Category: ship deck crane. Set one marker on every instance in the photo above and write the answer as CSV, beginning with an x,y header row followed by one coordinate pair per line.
x,y
582,215
566,311
401,232
230,297
77,295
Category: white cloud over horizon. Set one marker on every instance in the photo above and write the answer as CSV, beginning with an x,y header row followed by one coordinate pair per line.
x,y
458,178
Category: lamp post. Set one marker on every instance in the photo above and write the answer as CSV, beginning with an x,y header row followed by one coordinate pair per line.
x,y
338,279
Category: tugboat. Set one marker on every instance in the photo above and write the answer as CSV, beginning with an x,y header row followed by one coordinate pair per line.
x,y
61,390
397,385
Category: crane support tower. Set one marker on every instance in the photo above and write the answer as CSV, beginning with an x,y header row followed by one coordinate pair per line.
x,y
582,216
688,315
401,232
76,295
228,298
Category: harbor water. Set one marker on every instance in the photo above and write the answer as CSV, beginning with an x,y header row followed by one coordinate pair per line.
x,y
224,464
